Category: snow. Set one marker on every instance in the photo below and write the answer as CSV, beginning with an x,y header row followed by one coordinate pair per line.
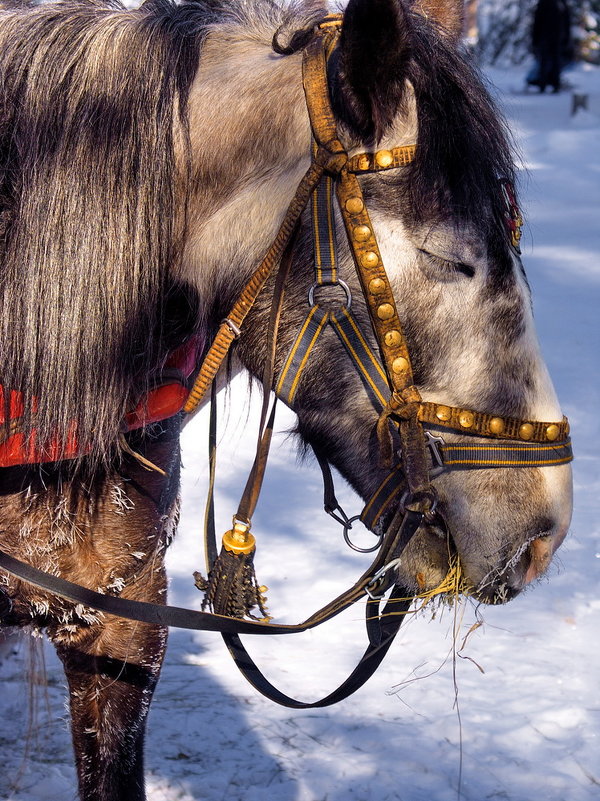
x,y
429,726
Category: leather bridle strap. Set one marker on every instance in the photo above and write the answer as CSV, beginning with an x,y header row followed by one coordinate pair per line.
x,y
387,621
372,582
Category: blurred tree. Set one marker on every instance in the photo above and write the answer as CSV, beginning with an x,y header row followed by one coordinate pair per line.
x,y
587,33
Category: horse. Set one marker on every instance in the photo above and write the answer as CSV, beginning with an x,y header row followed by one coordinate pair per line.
x,y
148,157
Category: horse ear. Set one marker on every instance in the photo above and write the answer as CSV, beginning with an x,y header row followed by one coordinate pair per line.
x,y
373,53
448,14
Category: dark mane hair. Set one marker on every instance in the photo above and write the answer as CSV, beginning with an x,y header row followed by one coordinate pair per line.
x,y
91,201
464,143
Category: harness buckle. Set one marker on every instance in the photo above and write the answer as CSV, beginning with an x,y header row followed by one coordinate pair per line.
x,y
233,327
339,282
339,515
377,587
433,443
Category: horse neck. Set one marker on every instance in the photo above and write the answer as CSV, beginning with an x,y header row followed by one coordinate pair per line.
x,y
250,144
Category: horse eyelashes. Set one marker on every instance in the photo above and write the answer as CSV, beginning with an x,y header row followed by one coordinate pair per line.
x,y
446,265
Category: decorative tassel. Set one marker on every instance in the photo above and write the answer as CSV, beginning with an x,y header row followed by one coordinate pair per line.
x,y
232,588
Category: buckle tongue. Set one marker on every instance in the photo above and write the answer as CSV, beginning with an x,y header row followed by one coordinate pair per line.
x,y
381,582
433,443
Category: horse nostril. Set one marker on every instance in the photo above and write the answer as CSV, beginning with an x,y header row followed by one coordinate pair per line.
x,y
540,555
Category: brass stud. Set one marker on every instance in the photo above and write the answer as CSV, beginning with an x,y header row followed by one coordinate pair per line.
x,y
400,364
466,419
364,162
393,338
384,158
354,205
377,286
361,233
369,259
526,431
567,426
552,432
385,311
443,413
496,425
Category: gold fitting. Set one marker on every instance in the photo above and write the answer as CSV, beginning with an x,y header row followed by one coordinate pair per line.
x,y
369,259
393,338
383,158
552,432
385,311
466,419
361,233
443,413
239,539
526,431
354,205
364,162
567,426
377,286
400,364
496,425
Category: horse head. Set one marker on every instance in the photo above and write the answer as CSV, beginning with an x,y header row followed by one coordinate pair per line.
x,y
445,227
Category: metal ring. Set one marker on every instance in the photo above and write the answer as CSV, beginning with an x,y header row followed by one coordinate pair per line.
x,y
348,526
431,496
343,284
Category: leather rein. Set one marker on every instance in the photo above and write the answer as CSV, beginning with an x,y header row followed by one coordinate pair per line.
x,y
390,381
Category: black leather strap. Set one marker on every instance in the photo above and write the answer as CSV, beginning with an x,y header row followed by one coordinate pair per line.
x,y
382,627
179,617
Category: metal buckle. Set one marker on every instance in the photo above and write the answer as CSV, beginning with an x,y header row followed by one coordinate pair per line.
x,y
339,282
372,587
232,327
341,518
433,443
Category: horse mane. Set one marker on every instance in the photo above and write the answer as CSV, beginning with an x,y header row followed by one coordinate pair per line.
x,y
94,165
93,112
465,145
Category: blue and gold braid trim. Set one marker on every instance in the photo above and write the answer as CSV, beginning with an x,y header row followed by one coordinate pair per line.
x,y
326,271
311,329
520,454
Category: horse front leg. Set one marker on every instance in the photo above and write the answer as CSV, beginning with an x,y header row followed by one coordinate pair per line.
x,y
112,669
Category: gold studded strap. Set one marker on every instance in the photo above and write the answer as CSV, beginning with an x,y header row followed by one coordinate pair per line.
x,y
374,282
382,159
468,421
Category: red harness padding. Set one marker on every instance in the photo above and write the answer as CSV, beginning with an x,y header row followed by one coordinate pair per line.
x,y
162,402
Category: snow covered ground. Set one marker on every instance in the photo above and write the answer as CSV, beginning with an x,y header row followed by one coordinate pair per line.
x,y
528,727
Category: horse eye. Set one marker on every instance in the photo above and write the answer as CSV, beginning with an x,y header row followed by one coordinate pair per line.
x,y
446,265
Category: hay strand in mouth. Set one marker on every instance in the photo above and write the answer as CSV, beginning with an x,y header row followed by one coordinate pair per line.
x,y
448,591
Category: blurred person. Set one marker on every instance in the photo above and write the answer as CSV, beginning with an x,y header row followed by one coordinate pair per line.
x,y
551,43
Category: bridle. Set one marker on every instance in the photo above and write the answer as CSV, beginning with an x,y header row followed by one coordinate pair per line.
x,y
231,588
508,441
